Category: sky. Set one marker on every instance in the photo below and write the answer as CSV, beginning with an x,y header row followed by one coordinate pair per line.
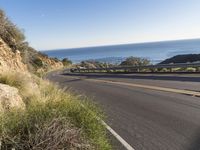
x,y
56,24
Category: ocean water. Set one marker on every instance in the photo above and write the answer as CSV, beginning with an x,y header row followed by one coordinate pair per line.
x,y
155,51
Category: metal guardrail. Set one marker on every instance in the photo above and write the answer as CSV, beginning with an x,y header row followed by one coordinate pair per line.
x,y
139,68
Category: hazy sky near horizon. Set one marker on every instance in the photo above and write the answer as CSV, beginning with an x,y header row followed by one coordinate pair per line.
x,y
53,24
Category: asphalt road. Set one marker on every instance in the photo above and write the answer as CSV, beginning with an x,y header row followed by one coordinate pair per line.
x,y
147,119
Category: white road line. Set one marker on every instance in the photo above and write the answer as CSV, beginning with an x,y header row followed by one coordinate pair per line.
x,y
118,137
115,134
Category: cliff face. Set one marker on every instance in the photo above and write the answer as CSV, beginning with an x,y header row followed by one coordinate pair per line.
x,y
15,52
17,61
10,60
51,62
13,60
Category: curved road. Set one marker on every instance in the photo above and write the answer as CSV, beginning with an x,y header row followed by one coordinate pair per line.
x,y
147,119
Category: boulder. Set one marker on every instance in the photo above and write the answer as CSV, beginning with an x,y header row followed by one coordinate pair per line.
x,y
10,60
10,98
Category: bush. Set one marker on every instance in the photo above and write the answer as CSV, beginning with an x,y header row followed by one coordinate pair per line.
x,y
66,62
38,62
135,61
9,32
189,69
94,64
163,70
52,118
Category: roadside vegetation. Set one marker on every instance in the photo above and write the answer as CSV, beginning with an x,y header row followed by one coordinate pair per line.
x,y
66,62
52,119
137,62
94,64
35,61
130,61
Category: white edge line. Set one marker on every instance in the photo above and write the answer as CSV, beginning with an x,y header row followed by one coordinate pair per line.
x,y
117,136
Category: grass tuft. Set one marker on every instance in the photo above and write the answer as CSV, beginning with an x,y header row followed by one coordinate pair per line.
x,y
53,119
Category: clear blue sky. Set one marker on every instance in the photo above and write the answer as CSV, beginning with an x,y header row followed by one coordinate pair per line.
x,y
52,24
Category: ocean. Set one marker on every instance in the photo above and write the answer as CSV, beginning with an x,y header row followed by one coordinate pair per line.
x,y
154,51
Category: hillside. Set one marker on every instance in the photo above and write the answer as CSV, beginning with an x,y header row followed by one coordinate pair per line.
x,y
34,113
187,58
16,54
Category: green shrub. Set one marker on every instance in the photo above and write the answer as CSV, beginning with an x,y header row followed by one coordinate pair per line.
x,y
52,118
189,69
9,32
135,61
163,70
38,62
66,62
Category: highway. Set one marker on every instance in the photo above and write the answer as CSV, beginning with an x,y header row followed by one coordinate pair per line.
x,y
147,119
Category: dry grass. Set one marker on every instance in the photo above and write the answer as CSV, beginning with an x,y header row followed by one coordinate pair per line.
x,y
53,119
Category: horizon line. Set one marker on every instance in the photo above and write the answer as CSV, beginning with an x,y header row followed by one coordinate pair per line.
x,y
145,42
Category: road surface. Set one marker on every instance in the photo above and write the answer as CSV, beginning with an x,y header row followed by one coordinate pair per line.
x,y
147,119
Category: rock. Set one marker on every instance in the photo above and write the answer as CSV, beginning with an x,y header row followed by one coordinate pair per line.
x,y
10,98
10,60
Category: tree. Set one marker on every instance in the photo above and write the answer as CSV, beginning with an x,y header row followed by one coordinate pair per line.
x,y
66,62
135,61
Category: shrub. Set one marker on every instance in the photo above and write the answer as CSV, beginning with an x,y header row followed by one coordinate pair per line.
x,y
94,64
188,69
135,61
38,62
52,118
9,32
66,62
163,70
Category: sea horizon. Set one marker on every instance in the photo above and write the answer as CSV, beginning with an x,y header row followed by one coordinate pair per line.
x,y
107,45
154,51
